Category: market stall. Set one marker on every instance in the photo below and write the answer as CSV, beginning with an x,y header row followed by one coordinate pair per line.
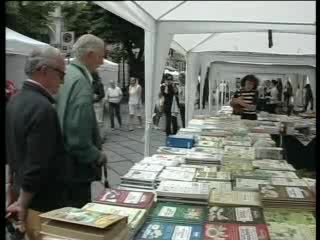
x,y
163,20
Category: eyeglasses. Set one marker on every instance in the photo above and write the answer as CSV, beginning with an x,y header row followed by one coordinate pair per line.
x,y
61,73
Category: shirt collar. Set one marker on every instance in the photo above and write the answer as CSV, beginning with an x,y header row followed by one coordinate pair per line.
x,y
39,84
76,61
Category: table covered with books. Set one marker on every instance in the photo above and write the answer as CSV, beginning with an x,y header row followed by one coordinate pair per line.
x,y
219,179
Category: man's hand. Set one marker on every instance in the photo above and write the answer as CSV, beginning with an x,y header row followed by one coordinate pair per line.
x,y
11,195
102,160
17,211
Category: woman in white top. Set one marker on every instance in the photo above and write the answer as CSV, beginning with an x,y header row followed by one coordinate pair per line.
x,y
135,104
114,95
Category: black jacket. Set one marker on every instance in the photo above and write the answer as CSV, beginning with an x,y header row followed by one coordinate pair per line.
x,y
98,88
168,97
34,147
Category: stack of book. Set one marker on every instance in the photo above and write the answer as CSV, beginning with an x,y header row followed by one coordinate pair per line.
x,y
237,166
80,224
147,167
268,153
134,199
207,150
139,179
164,160
287,197
311,184
234,198
252,175
288,231
136,217
181,174
276,174
275,165
296,182
218,186
186,192
212,175
243,184
173,150
212,144
208,159
237,141
236,152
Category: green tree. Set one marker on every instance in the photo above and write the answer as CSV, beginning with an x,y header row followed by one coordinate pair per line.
x,y
87,17
30,18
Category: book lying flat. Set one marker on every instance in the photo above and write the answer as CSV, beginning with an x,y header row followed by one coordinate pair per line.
x,y
212,144
136,217
288,182
234,198
218,185
126,198
236,152
268,153
288,216
228,231
147,167
168,174
243,184
164,231
252,175
83,217
167,157
213,175
269,164
248,215
277,174
183,189
162,162
292,232
182,213
141,176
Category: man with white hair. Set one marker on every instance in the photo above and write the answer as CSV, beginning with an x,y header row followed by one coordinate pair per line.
x,y
114,95
34,143
78,120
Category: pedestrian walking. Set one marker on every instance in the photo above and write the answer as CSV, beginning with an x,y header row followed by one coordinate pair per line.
x,y
135,102
158,110
182,98
34,144
308,97
78,121
114,96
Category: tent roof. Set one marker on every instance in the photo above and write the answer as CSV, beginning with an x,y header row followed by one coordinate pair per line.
x,y
17,43
196,24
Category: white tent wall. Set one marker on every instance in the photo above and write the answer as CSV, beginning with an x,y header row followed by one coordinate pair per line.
x,y
15,69
222,67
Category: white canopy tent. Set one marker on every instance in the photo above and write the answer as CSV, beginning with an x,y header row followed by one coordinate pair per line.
x,y
18,47
200,22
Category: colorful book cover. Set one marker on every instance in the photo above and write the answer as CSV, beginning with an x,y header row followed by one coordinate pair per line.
x,y
157,230
135,216
172,212
288,216
83,217
252,215
227,231
285,193
235,198
126,198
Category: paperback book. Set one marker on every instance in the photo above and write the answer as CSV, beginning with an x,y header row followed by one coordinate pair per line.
x,y
234,198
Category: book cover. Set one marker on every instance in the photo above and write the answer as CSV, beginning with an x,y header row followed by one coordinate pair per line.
x,y
167,157
156,230
288,216
235,198
208,150
147,167
248,215
240,152
211,144
83,217
141,175
280,165
167,174
126,198
213,175
135,216
289,182
218,185
285,193
179,213
249,184
181,169
227,231
292,232
277,174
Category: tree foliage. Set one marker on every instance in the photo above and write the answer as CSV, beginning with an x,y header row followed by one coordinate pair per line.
x,y
30,18
87,17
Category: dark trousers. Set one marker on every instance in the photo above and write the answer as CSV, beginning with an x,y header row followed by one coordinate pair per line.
x,y
171,119
308,100
157,116
79,194
182,113
114,108
249,116
271,108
